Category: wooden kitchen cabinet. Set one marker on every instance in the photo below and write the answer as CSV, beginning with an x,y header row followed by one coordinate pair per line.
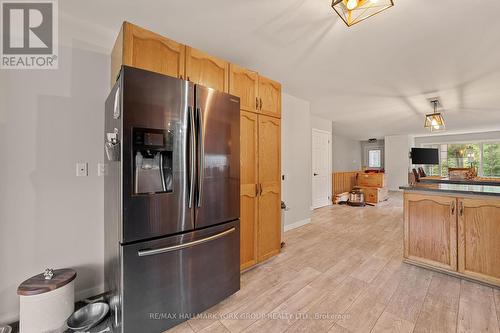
x,y
430,230
141,48
260,127
260,199
269,97
244,83
249,174
479,238
269,162
207,70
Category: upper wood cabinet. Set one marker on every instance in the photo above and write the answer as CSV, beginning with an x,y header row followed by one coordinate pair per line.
x,y
204,69
141,48
479,238
269,162
244,83
260,129
430,230
269,97
257,93
248,188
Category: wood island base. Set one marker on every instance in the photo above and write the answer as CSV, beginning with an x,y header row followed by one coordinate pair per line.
x,y
453,232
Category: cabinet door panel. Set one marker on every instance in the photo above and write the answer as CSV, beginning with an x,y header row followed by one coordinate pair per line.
x,y
269,97
248,196
431,230
479,238
147,50
204,69
244,84
270,187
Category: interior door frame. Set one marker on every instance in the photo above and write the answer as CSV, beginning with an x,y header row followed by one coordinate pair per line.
x,y
330,194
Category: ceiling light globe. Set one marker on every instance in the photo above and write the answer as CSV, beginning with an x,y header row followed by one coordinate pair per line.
x,y
351,4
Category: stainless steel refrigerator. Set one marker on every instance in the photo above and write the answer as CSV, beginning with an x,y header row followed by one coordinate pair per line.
x,y
171,199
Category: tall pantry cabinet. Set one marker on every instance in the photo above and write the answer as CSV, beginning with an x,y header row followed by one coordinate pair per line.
x,y
260,131
260,146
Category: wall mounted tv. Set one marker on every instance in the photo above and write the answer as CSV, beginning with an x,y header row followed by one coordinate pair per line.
x,y
425,156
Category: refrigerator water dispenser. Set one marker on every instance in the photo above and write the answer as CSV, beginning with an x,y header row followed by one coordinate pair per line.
x,y
152,153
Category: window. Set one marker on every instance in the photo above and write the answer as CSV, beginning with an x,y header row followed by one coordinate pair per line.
x,y
491,159
374,158
463,155
483,156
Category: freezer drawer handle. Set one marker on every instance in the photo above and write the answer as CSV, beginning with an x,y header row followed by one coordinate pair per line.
x,y
143,253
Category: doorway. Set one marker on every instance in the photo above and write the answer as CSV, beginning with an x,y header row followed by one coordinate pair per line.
x,y
321,168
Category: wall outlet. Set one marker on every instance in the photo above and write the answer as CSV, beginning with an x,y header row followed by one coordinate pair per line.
x,y
82,169
102,169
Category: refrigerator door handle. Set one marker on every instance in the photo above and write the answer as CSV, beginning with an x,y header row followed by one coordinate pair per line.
x,y
162,175
144,253
192,157
201,155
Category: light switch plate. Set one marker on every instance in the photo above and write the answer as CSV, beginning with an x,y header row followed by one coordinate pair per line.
x,y
82,169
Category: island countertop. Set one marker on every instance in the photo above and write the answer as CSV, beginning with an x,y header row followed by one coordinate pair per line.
x,y
474,181
469,189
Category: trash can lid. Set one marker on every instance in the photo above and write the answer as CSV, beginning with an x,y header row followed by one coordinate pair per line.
x,y
38,284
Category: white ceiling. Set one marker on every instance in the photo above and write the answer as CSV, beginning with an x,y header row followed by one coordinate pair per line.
x,y
372,79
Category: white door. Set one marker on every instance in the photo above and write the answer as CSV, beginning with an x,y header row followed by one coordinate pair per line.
x,y
321,168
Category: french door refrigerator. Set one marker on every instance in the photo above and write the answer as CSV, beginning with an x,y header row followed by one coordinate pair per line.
x,y
171,199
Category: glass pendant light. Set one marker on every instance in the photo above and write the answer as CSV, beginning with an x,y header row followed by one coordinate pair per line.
x,y
434,121
355,11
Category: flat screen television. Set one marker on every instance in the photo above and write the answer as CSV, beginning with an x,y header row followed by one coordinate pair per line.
x,y
425,156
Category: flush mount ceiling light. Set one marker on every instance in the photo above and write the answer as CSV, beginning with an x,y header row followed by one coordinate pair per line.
x,y
355,11
434,121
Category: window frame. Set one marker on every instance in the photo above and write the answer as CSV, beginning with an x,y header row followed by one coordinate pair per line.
x,y
379,157
480,143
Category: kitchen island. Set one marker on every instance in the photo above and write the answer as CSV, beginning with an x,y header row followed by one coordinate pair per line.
x,y
454,228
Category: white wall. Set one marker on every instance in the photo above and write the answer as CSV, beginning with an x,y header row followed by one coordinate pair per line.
x,y
346,154
49,120
296,160
397,148
321,124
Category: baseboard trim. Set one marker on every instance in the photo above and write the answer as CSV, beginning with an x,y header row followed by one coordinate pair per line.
x,y
297,224
89,292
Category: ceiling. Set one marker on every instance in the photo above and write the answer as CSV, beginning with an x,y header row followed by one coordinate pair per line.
x,y
372,79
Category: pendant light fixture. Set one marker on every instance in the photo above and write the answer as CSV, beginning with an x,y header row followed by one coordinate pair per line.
x,y
434,121
355,11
